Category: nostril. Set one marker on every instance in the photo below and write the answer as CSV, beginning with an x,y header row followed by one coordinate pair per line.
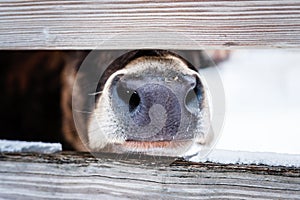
x,y
194,96
191,98
134,101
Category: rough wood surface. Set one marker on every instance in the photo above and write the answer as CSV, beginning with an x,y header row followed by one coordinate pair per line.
x,y
82,176
167,24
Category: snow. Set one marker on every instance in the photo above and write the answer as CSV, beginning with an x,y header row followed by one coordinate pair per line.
x,y
11,146
245,157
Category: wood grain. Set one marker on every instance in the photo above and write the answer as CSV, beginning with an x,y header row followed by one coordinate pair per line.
x,y
81,176
167,24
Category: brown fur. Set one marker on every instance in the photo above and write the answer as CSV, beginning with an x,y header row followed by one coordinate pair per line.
x,y
31,85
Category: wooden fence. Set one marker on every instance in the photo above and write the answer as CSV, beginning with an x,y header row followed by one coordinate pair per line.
x,y
81,176
167,24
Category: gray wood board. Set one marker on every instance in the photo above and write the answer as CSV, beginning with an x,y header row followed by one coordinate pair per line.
x,y
168,24
71,175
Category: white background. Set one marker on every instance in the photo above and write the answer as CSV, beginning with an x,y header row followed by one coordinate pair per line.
x,y
262,89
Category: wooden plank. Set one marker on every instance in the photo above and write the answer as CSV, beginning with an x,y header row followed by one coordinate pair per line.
x,y
168,24
81,176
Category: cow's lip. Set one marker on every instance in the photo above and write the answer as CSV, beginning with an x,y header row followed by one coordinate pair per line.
x,y
159,148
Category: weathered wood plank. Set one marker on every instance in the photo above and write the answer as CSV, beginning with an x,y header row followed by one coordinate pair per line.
x,y
81,176
164,24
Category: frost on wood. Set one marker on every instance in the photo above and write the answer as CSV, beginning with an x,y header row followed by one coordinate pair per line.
x,y
9,146
244,157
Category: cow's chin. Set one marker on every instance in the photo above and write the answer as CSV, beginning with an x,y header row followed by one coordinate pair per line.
x,y
157,148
